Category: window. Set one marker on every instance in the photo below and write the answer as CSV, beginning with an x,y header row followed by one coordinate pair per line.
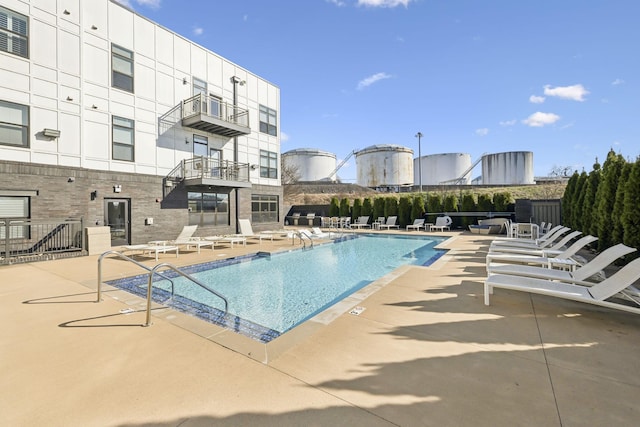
x,y
268,121
200,145
14,33
264,208
14,207
208,208
268,164
121,68
14,124
123,139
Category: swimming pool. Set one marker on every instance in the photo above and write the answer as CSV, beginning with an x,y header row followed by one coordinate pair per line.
x,y
270,294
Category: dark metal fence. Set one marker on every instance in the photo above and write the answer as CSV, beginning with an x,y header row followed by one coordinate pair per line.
x,y
24,240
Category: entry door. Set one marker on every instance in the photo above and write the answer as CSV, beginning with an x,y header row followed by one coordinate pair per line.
x,y
116,216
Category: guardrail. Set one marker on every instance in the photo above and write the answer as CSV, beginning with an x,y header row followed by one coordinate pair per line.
x,y
29,240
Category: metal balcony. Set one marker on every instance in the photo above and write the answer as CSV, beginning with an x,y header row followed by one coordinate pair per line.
x,y
208,171
211,114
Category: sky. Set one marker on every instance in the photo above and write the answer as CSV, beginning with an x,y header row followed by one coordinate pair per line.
x,y
559,78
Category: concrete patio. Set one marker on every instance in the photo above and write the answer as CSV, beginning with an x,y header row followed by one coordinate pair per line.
x,y
425,351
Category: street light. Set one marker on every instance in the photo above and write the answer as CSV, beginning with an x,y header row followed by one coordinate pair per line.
x,y
419,136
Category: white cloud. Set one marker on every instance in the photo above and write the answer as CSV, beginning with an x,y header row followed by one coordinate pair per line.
x,y
574,93
617,82
338,3
284,137
508,122
198,31
535,99
368,81
539,119
384,3
153,4
482,131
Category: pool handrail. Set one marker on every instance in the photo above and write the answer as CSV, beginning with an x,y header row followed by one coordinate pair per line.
x,y
126,258
183,274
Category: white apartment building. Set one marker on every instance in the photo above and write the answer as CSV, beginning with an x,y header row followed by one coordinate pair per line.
x,y
110,117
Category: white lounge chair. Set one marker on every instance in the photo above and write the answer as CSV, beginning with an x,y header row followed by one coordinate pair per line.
x,y
533,249
390,223
153,249
548,235
442,222
186,239
246,231
579,276
596,294
562,259
418,223
528,243
361,222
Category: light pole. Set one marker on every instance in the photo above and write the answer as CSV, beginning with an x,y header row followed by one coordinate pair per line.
x,y
419,136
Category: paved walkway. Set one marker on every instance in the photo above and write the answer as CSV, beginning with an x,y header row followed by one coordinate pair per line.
x,y
425,351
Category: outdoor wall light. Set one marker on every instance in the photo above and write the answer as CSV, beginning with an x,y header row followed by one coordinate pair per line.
x,y
117,188
184,81
51,133
186,140
254,166
71,179
94,194
93,27
66,12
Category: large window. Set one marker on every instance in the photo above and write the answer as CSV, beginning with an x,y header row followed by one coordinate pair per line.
x,y
121,68
16,208
14,33
208,208
123,139
264,208
268,121
268,164
14,124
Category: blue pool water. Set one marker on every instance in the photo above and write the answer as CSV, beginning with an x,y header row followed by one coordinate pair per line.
x,y
270,294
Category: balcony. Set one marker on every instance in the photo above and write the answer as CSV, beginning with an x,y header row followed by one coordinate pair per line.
x,y
211,114
208,171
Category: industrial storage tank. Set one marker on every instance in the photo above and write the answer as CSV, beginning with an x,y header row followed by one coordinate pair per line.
x,y
442,169
311,164
384,165
511,168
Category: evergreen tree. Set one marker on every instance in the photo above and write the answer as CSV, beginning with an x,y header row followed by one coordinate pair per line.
x,y
334,207
378,207
568,198
485,203
631,208
417,207
357,209
617,233
576,206
434,206
367,208
593,181
390,206
501,201
450,203
404,211
345,209
602,219
467,204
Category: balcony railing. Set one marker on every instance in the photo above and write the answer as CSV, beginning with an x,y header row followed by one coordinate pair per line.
x,y
211,114
203,170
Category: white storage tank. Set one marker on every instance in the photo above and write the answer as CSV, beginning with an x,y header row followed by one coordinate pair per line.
x,y
511,168
442,168
311,164
384,165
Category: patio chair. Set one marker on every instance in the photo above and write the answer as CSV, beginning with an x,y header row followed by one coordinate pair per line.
x,y
361,222
598,294
185,239
562,259
246,231
418,223
533,249
442,222
579,276
541,242
390,223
